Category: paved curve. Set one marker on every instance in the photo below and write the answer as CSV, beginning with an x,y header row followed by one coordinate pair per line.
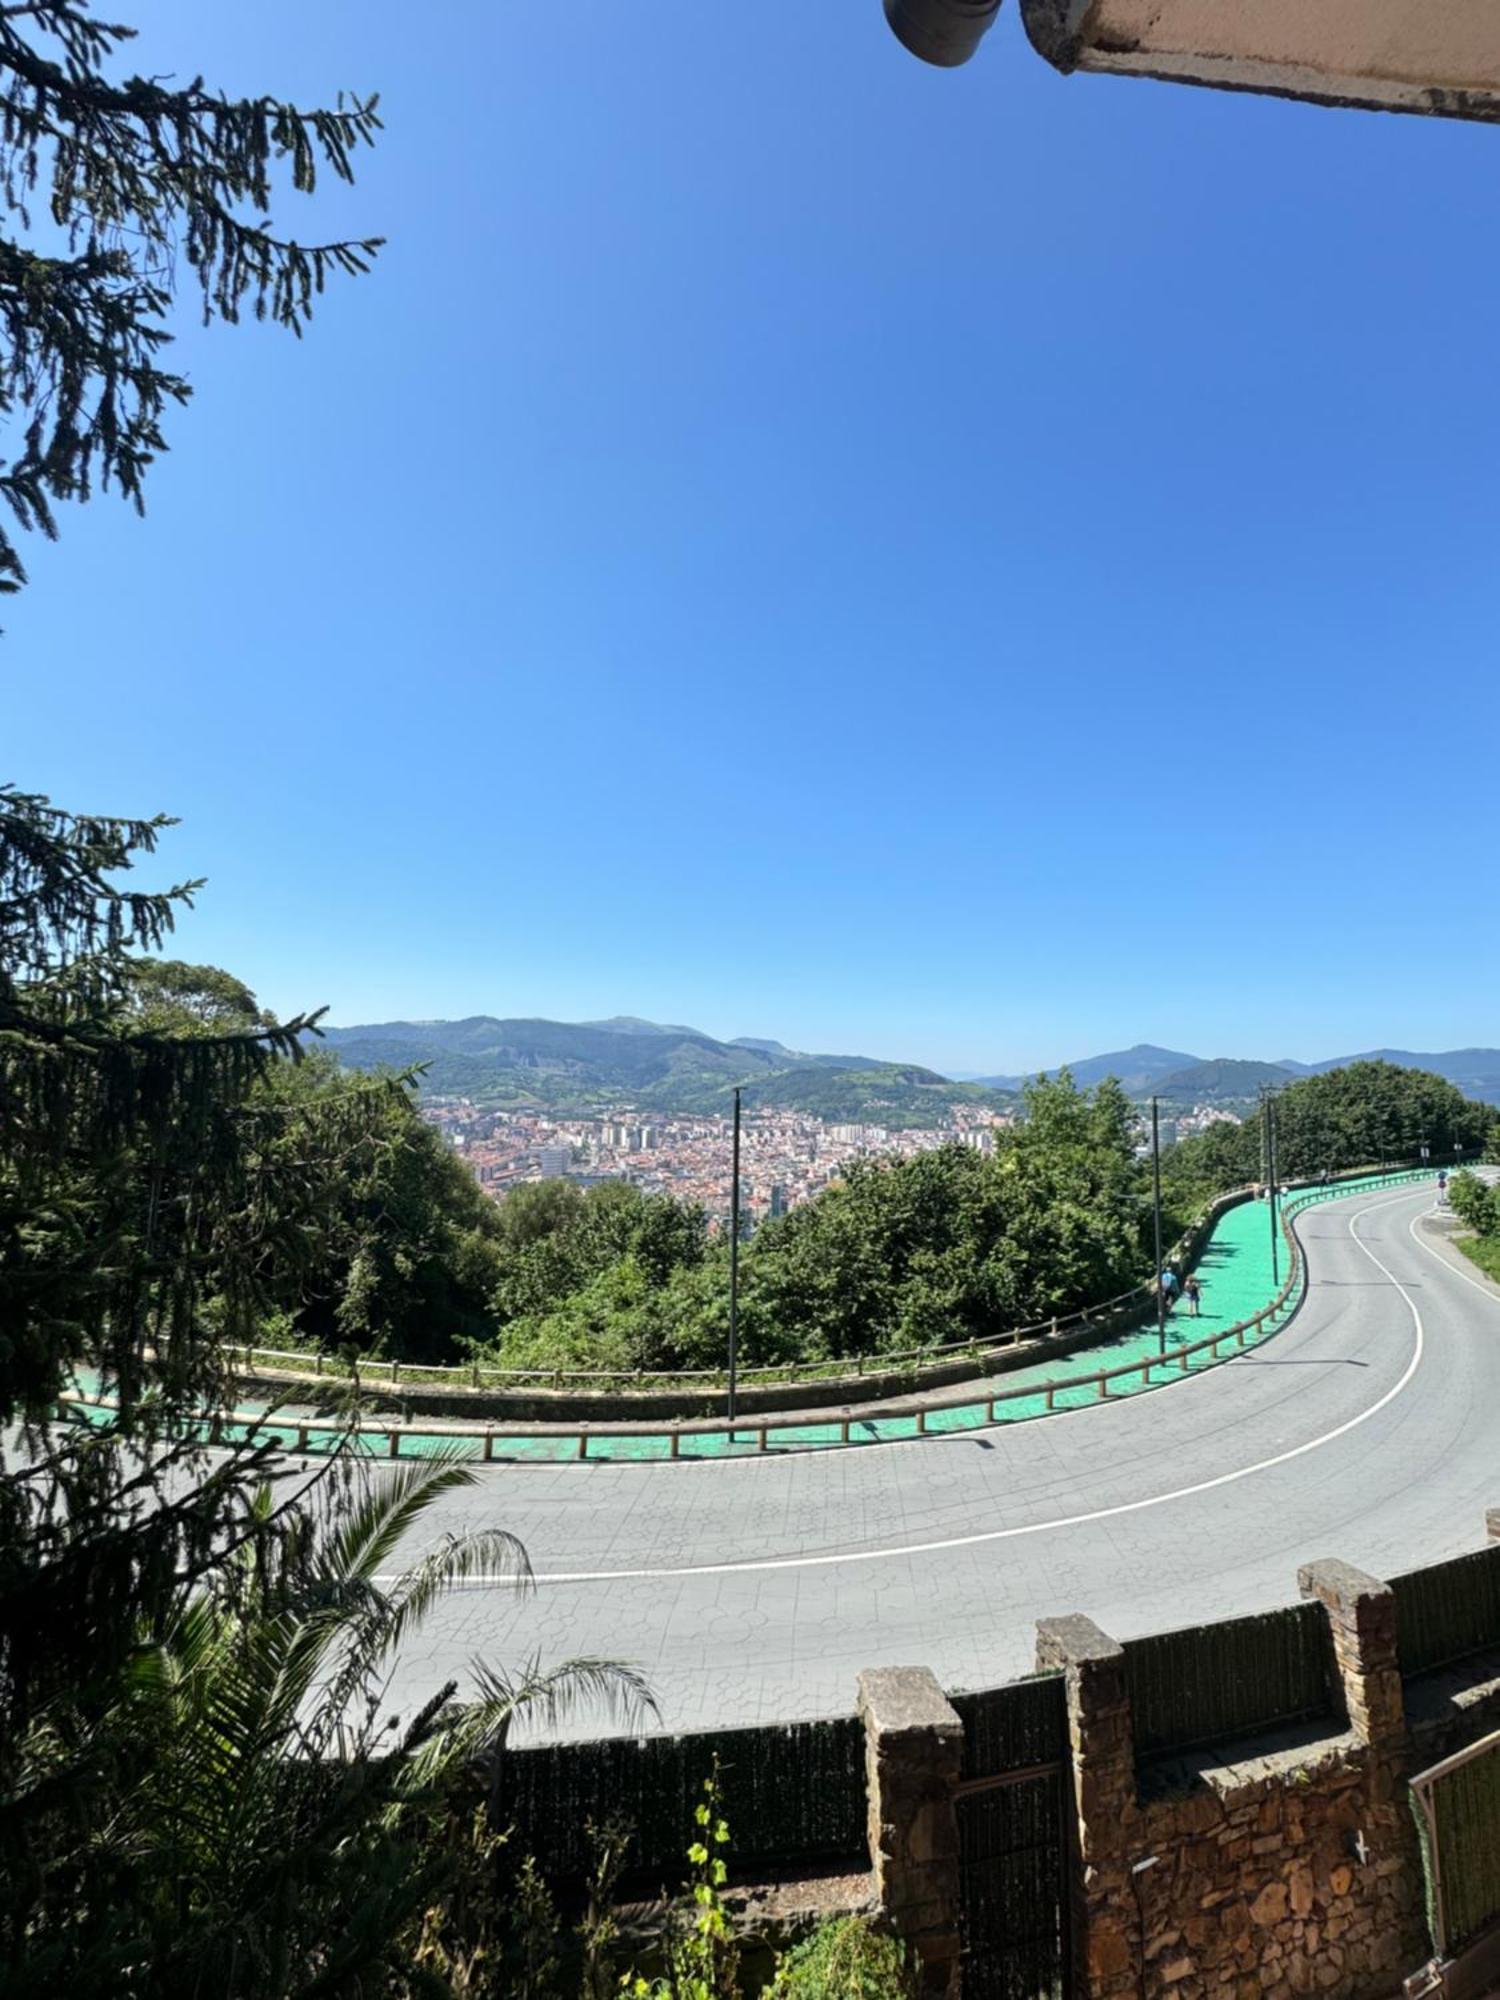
x,y
754,1590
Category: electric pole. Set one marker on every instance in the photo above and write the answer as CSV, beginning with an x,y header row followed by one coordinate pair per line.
x,y
1268,1101
1161,1297
734,1260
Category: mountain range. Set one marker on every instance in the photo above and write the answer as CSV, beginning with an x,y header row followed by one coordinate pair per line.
x,y
602,1065
1171,1073
599,1065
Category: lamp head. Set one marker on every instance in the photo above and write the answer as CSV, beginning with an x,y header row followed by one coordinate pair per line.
x,y
944,32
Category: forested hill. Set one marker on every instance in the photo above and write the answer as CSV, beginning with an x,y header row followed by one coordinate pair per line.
x,y
1146,1070
598,1065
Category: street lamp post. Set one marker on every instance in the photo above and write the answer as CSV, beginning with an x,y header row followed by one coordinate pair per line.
x,y
1161,1297
1268,1163
734,1260
1271,1155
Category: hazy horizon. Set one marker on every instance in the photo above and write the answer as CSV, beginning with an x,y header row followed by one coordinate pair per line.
x,y
958,1071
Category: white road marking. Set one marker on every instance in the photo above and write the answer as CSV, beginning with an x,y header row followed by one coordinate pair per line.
x,y
1484,1291
754,1564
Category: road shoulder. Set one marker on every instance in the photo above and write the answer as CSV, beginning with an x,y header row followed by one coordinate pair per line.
x,y
1436,1233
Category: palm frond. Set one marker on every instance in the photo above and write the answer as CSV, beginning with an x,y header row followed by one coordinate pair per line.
x,y
553,1695
389,1506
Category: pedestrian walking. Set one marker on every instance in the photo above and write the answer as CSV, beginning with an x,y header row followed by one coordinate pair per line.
x,y
1169,1287
1193,1292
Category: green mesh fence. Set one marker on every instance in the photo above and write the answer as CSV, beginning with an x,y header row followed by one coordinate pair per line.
x,y
1214,1681
789,1794
1448,1611
1010,1728
1465,1807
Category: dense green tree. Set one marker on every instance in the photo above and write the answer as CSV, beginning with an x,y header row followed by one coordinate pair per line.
x,y
948,1246
410,1243
180,999
131,1192
953,1245
558,1242
409,1250
111,181
131,1182
183,1635
1362,1115
187,1638
1475,1203
536,1210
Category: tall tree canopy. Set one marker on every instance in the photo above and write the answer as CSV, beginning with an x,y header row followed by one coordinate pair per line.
x,y
201,1789
1357,1116
111,183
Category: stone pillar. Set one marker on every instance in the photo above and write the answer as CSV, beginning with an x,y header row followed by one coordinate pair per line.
x,y
1382,1843
1106,1922
1492,1524
1362,1618
913,1755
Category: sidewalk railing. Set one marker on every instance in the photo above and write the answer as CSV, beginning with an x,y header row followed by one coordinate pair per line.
x,y
480,1375
490,1442
911,1361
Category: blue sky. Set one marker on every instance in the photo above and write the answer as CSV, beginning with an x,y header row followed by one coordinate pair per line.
x,y
976,567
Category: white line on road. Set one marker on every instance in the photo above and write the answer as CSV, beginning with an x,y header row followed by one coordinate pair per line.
x,y
753,1564
1484,1291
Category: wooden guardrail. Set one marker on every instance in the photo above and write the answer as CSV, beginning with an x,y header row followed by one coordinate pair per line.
x,y
477,1375
305,1434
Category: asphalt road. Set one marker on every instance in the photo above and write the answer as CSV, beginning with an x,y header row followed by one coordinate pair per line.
x,y
754,1590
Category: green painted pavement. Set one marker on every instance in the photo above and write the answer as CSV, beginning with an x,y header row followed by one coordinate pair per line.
x,y
1234,1270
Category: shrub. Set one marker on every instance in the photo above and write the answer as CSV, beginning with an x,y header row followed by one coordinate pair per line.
x,y
1475,1204
848,1959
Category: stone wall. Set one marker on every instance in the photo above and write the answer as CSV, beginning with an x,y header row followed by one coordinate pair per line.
x,y
1279,1866
1276,1878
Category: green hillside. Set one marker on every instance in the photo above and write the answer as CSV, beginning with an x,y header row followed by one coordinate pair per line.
x,y
894,1095
593,1066
1224,1080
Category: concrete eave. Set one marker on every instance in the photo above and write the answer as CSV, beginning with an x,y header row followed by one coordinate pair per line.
x,y
1439,58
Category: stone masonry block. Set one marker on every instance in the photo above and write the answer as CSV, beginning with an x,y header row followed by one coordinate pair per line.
x,y
1361,1614
1106,1922
913,1755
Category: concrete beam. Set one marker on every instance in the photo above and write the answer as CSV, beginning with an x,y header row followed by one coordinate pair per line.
x,y
1437,57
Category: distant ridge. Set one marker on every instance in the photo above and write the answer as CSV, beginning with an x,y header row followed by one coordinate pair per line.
x,y
585,1066
1223,1077
1147,1069
663,1067
1135,1069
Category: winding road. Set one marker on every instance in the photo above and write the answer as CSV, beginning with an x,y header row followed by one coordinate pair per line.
x,y
753,1590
